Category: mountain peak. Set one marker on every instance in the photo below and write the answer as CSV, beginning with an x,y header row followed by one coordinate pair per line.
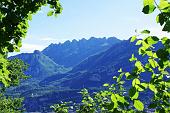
x,y
37,52
74,41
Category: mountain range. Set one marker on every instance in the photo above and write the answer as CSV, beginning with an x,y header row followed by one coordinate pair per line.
x,y
61,70
97,69
71,53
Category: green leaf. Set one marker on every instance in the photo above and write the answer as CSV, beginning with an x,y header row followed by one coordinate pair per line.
x,y
139,66
4,82
161,18
164,5
149,6
127,74
153,88
121,82
152,105
145,32
133,38
149,53
132,91
145,45
105,85
133,58
114,77
135,82
154,55
140,87
164,40
144,85
104,93
131,76
135,96
151,40
153,63
50,13
167,26
138,105
162,54
30,17
120,77
142,51
120,70
146,9
120,98
139,42
19,43
113,98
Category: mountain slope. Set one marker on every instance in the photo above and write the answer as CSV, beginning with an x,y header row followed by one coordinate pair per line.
x,y
40,65
116,56
71,53
97,69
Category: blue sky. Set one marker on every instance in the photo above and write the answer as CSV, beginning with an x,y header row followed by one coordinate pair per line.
x,y
87,18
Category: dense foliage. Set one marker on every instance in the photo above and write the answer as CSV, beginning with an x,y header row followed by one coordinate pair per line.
x,y
117,97
14,17
8,104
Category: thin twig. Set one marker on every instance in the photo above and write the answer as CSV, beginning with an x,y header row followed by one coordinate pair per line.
x,y
157,6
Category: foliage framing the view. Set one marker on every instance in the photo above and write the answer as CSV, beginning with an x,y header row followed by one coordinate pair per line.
x,y
157,65
16,68
14,17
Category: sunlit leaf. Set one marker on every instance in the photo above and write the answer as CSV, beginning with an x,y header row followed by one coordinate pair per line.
x,y
153,63
164,4
135,96
105,85
135,82
138,105
152,40
153,88
50,13
120,98
113,98
120,70
133,38
145,32
149,6
139,42
133,58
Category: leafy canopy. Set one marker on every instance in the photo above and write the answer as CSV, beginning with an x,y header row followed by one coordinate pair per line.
x,y
14,17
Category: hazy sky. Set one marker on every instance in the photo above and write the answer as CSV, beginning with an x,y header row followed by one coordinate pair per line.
x,y
87,18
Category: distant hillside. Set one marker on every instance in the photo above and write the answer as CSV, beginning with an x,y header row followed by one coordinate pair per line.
x,y
97,69
71,53
40,65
